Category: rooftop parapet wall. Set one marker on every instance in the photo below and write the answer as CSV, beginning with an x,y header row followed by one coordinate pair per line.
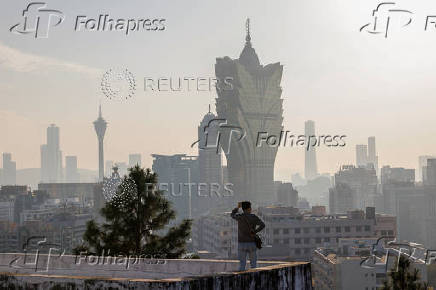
x,y
270,275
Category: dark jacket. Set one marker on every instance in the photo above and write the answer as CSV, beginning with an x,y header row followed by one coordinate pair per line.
x,y
247,222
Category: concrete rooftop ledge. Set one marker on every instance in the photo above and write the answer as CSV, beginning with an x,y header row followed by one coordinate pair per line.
x,y
80,272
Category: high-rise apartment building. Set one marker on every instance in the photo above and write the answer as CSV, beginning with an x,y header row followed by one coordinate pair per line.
x,y
363,183
286,194
366,155
310,165
9,174
372,154
397,175
422,164
51,157
108,167
71,173
135,159
178,177
361,155
429,177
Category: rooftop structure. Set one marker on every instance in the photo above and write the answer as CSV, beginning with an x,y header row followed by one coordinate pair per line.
x,y
90,272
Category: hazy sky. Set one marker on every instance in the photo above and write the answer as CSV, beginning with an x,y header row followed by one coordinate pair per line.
x,y
348,82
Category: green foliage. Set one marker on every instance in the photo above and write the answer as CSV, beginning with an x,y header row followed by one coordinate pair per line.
x,y
134,216
404,278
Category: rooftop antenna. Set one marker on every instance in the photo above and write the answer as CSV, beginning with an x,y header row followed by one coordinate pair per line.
x,y
247,27
99,110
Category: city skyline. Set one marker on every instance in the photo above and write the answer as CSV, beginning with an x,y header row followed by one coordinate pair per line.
x,y
181,136
372,85
126,157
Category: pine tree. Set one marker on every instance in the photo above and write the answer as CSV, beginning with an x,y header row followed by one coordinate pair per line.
x,y
133,218
403,278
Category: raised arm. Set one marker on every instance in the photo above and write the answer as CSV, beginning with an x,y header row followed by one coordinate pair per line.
x,y
235,215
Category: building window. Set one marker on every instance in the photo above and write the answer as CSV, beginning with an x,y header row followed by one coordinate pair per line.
x,y
318,240
307,250
286,231
326,229
297,241
367,228
383,233
327,240
338,229
358,228
390,233
276,231
276,241
306,230
306,241
297,230
297,251
347,229
318,230
286,241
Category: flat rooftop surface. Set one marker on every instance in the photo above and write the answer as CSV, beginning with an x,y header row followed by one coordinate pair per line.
x,y
120,268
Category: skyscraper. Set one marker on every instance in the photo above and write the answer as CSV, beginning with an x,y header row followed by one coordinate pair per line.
x,y
177,178
71,174
363,182
51,156
134,159
422,165
209,161
310,165
430,172
254,104
372,155
100,128
9,176
122,168
108,167
361,155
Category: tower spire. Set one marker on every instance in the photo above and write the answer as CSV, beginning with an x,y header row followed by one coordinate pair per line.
x,y
100,128
247,28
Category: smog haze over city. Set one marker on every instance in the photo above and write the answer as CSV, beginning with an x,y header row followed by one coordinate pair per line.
x,y
319,113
